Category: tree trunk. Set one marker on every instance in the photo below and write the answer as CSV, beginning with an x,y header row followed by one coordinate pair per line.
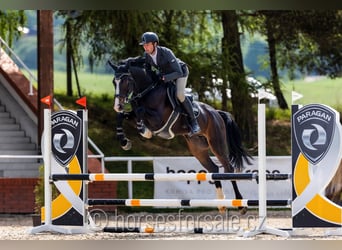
x,y
273,64
45,63
233,68
68,59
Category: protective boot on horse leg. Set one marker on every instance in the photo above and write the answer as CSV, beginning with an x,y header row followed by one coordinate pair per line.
x,y
187,106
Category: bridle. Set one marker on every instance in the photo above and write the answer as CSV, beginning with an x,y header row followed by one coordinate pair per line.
x,y
124,99
131,97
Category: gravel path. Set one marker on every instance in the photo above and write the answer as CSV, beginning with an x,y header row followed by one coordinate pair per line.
x,y
16,227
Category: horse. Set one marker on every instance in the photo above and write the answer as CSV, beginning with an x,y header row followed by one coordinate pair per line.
x,y
158,114
334,190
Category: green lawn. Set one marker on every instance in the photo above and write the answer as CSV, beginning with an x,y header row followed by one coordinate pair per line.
x,y
94,84
323,90
90,83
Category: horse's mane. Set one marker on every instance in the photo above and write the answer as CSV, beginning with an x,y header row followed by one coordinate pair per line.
x,y
135,67
140,74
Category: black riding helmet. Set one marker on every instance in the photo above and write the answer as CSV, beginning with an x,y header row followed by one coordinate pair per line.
x,y
149,37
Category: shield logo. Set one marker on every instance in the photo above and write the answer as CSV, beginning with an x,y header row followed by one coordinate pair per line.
x,y
313,127
66,131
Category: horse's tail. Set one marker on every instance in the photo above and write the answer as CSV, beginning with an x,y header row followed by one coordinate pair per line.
x,y
237,153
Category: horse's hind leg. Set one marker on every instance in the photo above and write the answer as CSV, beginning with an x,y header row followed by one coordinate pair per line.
x,y
220,150
238,195
220,195
199,148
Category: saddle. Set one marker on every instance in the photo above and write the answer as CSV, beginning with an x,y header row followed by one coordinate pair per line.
x,y
171,93
166,131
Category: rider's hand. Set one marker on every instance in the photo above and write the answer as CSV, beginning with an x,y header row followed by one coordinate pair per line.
x,y
161,78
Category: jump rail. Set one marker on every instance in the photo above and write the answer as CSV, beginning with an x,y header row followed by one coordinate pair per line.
x,y
185,203
168,177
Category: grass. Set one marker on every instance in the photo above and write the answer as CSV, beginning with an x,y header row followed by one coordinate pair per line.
x,y
90,83
93,84
322,90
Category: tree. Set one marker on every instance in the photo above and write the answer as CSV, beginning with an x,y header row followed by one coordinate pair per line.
x,y
315,46
232,62
272,35
105,33
10,23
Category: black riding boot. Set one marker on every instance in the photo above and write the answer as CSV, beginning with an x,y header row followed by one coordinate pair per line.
x,y
194,127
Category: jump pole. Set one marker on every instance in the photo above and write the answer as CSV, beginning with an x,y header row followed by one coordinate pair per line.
x,y
167,177
262,227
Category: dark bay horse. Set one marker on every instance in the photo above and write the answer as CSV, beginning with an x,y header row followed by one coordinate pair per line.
x,y
154,106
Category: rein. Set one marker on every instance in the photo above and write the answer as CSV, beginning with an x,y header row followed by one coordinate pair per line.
x,y
143,93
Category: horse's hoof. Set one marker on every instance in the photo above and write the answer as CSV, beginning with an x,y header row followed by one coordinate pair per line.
x,y
222,210
243,210
146,134
127,146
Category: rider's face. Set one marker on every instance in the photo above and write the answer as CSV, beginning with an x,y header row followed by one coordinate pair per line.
x,y
149,48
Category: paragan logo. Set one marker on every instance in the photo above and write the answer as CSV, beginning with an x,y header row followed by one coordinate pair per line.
x,y
66,131
314,126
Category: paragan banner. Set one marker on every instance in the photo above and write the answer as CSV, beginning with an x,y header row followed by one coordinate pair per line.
x,y
316,158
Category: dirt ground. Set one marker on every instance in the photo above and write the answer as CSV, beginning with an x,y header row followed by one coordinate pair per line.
x,y
228,226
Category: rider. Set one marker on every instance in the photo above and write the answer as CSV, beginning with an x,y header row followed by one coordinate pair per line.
x,y
169,68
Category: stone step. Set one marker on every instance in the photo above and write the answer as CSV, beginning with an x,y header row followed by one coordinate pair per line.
x,y
7,120
17,146
15,133
2,108
9,127
14,139
4,114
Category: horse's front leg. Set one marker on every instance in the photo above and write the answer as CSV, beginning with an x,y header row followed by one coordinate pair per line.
x,y
125,143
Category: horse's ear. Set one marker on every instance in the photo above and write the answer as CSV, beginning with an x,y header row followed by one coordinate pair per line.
x,y
112,65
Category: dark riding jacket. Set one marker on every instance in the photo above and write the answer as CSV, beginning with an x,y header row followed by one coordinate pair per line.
x,y
168,65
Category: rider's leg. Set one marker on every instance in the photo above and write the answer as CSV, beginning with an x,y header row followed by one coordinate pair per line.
x,y
180,84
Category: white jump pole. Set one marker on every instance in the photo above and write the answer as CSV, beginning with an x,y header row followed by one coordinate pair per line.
x,y
262,188
47,226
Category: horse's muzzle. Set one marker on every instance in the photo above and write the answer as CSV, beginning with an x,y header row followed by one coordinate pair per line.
x,y
118,107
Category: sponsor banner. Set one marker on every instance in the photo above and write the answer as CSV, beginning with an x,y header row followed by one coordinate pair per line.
x,y
276,190
316,155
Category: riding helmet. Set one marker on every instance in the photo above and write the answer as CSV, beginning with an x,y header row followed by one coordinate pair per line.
x,y
149,37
